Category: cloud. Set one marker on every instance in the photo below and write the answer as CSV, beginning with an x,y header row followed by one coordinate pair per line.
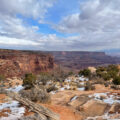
x,y
95,27
14,31
94,16
27,8
97,24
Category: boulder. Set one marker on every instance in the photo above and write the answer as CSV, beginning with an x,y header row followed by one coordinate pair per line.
x,y
115,108
94,108
80,100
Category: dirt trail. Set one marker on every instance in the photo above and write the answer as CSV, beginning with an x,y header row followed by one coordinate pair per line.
x,y
65,112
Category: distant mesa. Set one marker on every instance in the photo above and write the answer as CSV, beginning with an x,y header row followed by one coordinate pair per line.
x,y
80,60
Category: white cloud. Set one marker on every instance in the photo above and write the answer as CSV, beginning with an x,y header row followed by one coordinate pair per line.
x,y
27,8
14,30
15,41
97,24
95,16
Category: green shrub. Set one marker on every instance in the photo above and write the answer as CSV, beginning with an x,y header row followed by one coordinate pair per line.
x,y
116,80
113,68
52,88
112,74
29,80
107,72
85,72
106,84
106,76
100,71
70,73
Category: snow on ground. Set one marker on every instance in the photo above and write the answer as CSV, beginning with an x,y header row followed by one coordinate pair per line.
x,y
74,98
82,83
82,78
61,89
16,88
81,89
110,99
67,80
16,111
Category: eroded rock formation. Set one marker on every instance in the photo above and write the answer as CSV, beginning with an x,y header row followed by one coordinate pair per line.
x,y
79,60
16,63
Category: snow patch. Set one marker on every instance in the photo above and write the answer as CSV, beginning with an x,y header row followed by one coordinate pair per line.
x,y
16,88
74,98
16,111
110,99
81,89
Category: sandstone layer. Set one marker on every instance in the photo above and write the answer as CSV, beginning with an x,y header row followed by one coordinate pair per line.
x,y
17,63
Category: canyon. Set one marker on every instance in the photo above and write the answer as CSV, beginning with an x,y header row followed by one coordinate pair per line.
x,y
81,59
17,63
68,97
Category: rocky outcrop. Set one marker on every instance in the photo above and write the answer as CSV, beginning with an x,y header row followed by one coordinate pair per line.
x,y
94,108
16,63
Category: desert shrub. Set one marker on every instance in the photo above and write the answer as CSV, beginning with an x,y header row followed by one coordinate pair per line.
x,y
70,73
52,88
43,77
113,68
29,80
2,78
85,72
89,86
100,71
106,76
115,87
59,75
74,88
10,84
79,85
98,81
36,95
106,84
116,80
112,74
107,72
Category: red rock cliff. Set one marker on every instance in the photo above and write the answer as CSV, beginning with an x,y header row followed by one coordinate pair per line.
x,y
16,63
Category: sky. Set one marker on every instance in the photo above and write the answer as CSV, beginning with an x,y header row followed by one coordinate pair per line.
x,y
60,25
